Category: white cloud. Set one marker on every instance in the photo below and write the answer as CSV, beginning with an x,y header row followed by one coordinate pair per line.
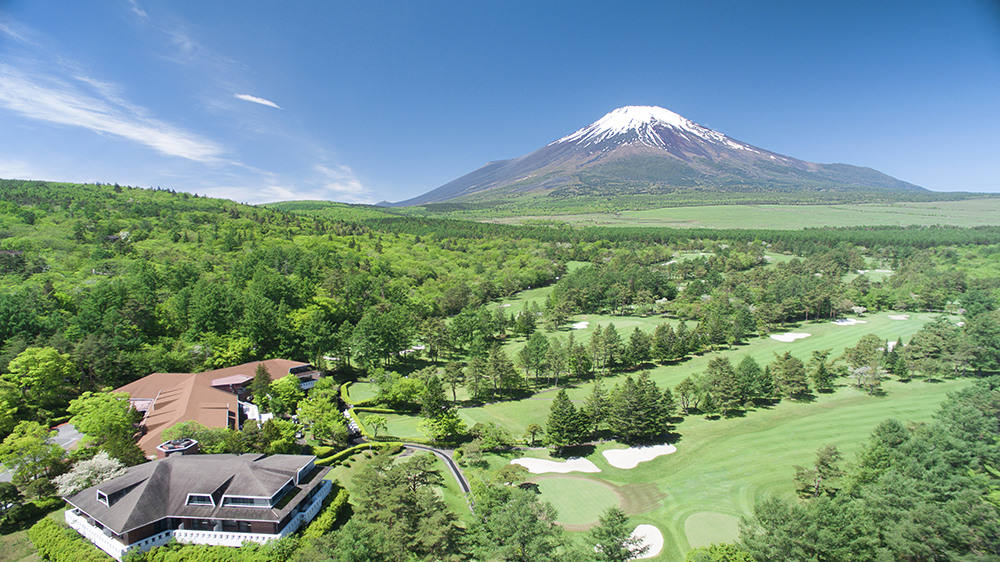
x,y
55,101
138,11
255,99
343,184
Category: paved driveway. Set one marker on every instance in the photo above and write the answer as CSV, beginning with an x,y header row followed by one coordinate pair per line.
x,y
67,437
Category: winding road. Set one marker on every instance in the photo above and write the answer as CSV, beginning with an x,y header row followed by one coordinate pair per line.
x,y
450,462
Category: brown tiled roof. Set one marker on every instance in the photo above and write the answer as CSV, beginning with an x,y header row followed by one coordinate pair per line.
x,y
190,396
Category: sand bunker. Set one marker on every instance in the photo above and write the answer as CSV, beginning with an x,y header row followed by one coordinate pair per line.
x,y
848,321
580,325
899,317
789,337
652,536
542,466
631,457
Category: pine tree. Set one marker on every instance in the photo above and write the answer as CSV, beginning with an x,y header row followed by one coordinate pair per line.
x,y
789,375
723,385
557,360
453,376
682,342
664,340
563,428
597,349
432,398
638,350
612,540
819,371
596,407
750,378
260,387
476,381
612,348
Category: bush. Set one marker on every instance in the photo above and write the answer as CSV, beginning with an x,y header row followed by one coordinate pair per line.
x,y
331,511
394,448
61,544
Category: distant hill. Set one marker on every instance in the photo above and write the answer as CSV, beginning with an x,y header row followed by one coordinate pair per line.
x,y
652,151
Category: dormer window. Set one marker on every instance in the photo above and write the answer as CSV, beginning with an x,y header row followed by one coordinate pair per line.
x,y
103,498
200,499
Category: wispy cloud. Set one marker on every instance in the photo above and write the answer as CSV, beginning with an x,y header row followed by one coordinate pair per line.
x,y
255,99
55,101
340,184
138,11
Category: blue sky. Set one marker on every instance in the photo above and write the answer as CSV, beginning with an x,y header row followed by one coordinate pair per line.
x,y
369,101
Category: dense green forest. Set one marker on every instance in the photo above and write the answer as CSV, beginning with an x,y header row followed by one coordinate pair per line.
x,y
103,284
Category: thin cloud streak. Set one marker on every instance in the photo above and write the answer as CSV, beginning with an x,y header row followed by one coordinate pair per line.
x,y
255,99
138,11
342,182
58,102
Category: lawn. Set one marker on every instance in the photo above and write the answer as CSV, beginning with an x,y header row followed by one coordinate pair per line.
x,y
362,390
972,212
697,495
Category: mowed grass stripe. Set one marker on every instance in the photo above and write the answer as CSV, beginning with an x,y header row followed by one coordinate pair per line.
x,y
725,466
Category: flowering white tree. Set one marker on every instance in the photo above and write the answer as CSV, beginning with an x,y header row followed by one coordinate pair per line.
x,y
85,474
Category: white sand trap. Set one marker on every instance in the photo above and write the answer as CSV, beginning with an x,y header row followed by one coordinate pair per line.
x,y
580,325
631,457
652,536
899,317
848,321
504,305
789,337
542,466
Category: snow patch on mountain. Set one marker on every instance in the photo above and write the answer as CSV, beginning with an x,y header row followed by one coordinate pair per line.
x,y
644,121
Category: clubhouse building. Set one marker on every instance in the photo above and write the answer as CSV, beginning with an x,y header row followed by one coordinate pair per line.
x,y
216,398
200,499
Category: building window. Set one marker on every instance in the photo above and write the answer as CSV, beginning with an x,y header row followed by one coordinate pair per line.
x,y
231,501
200,499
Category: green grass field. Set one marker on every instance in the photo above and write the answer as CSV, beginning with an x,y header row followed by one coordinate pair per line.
x,y
971,212
362,390
697,495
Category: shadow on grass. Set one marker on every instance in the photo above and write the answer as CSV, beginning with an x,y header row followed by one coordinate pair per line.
x,y
530,486
575,451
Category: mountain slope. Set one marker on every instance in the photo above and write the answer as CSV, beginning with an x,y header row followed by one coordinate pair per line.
x,y
643,149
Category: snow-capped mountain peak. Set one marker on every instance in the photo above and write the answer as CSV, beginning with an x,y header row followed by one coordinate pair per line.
x,y
649,150
644,122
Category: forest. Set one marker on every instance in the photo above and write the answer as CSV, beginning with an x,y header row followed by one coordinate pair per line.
x,y
103,284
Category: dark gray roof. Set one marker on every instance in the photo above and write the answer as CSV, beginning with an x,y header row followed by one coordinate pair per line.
x,y
160,488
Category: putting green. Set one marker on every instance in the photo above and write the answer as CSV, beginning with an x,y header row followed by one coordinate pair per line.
x,y
707,527
579,501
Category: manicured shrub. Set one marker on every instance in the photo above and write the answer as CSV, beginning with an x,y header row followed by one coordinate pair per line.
x,y
62,544
323,523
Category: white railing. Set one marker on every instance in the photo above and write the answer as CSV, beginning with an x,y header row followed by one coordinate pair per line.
x,y
95,535
222,538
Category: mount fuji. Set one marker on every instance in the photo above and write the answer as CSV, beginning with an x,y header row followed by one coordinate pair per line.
x,y
651,150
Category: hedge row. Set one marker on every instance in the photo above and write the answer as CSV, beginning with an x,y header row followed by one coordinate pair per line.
x,y
378,410
355,449
62,544
389,438
324,522
346,397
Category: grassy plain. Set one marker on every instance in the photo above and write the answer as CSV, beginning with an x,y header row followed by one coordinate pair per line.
x,y
970,212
